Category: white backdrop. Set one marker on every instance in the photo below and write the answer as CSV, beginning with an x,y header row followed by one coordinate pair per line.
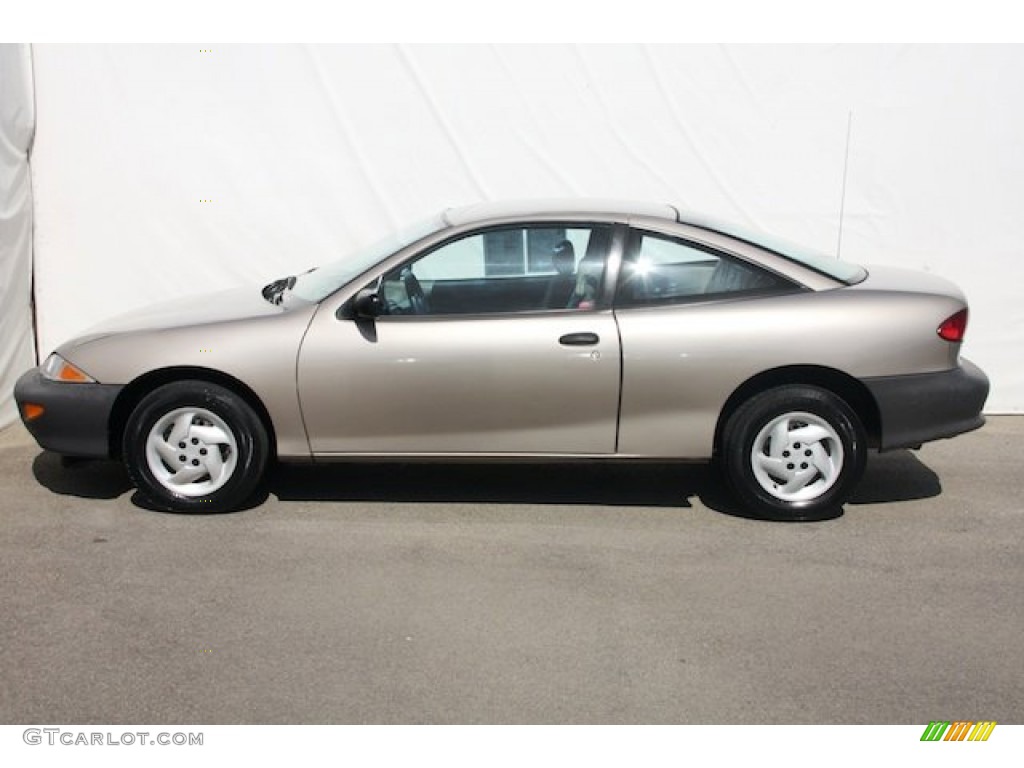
x,y
162,171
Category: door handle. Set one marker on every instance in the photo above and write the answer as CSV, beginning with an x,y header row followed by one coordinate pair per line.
x,y
579,339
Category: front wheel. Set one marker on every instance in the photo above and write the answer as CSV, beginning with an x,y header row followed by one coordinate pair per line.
x,y
794,453
194,446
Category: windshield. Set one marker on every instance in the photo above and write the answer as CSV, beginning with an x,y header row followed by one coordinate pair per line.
x,y
829,266
318,284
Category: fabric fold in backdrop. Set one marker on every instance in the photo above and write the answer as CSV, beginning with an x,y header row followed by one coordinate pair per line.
x,y
17,124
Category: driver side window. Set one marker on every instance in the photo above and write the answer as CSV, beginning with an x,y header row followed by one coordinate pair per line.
x,y
508,270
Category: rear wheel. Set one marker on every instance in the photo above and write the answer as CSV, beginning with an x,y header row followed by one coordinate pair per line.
x,y
794,453
194,446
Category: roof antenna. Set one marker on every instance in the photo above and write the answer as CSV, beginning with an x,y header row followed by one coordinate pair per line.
x,y
842,199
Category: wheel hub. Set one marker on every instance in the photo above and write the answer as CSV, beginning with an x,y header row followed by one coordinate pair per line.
x,y
797,456
191,451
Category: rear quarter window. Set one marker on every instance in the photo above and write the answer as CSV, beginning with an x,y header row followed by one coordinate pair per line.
x,y
661,270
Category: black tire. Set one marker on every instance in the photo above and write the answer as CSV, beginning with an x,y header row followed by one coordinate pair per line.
x,y
219,411
782,478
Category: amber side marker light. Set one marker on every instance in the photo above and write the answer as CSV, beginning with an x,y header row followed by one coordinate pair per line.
x,y
68,372
31,411
954,327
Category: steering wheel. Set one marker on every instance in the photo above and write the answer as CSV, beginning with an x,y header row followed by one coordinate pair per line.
x,y
417,299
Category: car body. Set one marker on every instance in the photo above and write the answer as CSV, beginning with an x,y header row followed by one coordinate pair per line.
x,y
529,331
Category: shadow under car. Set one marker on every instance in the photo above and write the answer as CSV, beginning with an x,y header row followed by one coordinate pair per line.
x,y
890,477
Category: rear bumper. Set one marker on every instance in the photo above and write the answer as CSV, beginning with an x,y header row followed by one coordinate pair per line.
x,y
76,417
929,406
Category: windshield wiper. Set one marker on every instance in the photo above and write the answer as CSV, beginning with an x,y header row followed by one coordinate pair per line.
x,y
274,292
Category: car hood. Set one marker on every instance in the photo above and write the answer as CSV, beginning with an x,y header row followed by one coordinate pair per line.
x,y
233,304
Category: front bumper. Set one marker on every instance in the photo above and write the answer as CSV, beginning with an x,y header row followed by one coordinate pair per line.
x,y
929,406
76,417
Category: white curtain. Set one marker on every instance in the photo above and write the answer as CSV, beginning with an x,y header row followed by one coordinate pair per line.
x,y
17,121
162,171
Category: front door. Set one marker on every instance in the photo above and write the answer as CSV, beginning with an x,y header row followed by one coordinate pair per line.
x,y
492,343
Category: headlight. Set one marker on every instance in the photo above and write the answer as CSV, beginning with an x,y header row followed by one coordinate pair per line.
x,y
56,368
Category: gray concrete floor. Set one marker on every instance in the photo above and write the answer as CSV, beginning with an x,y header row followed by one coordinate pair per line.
x,y
513,594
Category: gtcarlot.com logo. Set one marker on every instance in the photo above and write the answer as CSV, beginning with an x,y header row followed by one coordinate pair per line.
x,y
56,736
959,730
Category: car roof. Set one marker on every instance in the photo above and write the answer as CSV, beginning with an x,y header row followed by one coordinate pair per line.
x,y
514,209
580,206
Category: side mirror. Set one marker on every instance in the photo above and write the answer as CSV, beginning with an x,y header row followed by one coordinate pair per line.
x,y
367,304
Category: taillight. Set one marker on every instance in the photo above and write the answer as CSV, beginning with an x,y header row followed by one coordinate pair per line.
x,y
954,326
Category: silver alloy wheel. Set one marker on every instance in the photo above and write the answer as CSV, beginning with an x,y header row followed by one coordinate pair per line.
x,y
191,451
797,456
